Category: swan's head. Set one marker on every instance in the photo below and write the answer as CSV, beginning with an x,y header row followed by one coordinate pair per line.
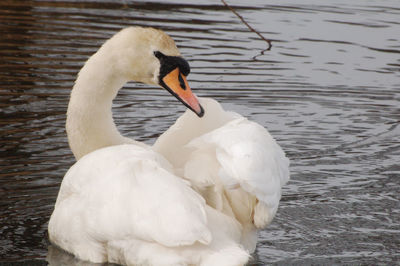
x,y
150,56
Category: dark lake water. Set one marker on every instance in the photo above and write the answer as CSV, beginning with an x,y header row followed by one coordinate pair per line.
x,y
329,91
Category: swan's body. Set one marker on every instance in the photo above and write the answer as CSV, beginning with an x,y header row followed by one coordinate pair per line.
x,y
197,197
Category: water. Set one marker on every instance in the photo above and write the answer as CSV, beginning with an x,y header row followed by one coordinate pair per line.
x,y
329,91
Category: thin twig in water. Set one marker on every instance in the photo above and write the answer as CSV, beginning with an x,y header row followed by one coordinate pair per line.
x,y
248,26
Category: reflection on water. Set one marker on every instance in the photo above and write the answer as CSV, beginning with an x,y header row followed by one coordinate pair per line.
x,y
328,91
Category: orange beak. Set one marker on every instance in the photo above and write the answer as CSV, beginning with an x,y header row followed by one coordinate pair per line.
x,y
178,86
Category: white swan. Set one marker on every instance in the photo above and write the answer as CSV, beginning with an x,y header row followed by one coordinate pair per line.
x,y
197,197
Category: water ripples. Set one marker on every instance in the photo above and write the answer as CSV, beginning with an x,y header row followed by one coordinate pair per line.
x,y
328,91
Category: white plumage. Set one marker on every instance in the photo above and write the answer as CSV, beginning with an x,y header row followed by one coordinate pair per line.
x,y
234,163
197,197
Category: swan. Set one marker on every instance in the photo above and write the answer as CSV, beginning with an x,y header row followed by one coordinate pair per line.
x,y
197,196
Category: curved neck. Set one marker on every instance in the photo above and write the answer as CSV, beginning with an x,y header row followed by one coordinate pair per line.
x,y
90,124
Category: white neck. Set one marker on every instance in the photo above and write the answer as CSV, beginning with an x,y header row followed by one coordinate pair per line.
x,y
90,124
128,55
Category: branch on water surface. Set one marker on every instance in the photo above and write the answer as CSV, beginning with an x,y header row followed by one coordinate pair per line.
x,y
248,26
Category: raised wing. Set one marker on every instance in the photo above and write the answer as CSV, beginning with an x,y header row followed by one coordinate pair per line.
x,y
248,158
234,163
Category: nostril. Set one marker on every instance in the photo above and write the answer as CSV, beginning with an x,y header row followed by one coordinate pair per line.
x,y
181,82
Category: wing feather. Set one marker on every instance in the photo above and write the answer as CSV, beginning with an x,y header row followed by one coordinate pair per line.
x,y
124,192
248,157
228,158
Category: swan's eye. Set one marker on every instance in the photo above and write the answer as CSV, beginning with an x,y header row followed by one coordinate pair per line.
x,y
158,54
169,63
